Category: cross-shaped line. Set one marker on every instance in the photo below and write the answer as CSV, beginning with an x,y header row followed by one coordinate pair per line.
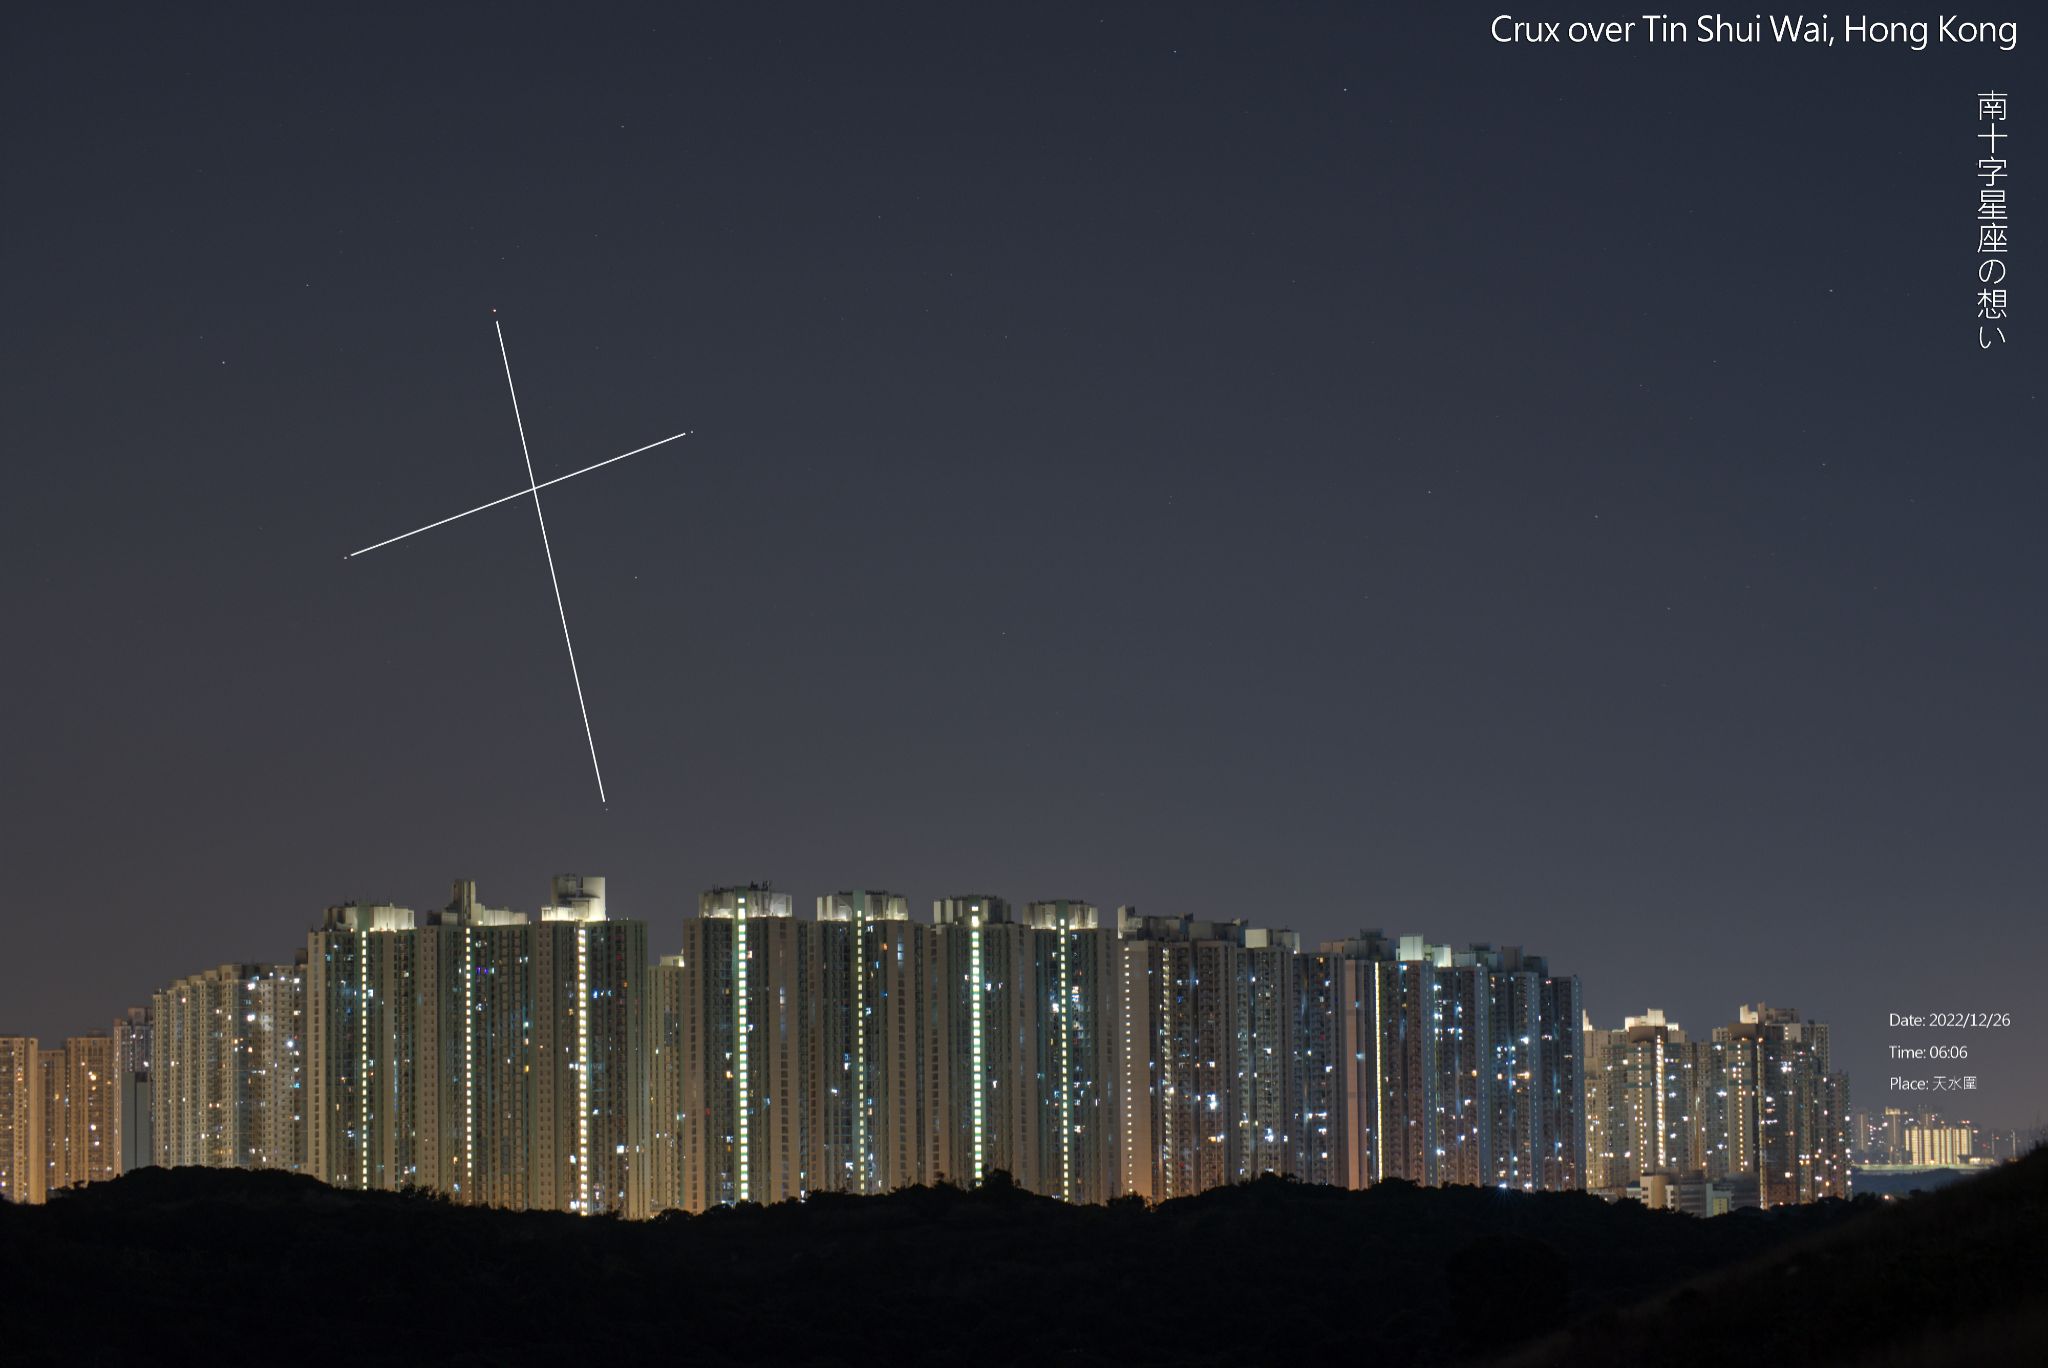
x,y
534,487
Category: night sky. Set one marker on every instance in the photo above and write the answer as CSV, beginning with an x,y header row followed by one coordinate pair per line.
x,y
1309,464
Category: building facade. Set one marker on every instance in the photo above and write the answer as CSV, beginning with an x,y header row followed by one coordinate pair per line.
x,y
227,1068
476,1052
868,1121
1757,1112
1213,1066
92,1101
55,1111
981,1049
591,1093
1455,1066
737,1039
21,1119
540,1062
132,1053
1782,1113
1072,1022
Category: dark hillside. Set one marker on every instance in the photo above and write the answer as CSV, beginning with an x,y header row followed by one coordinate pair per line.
x,y
1273,1271
1958,1276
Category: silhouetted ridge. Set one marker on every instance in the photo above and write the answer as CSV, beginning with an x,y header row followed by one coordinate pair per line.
x,y
1951,1277
1264,1272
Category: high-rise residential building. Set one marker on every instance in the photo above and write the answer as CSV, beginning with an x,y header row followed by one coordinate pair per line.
x,y
734,1031
1890,1135
1405,1089
59,1126
1389,1076
1018,1045
981,1051
56,1111
1346,990
1779,1111
1560,1083
481,1054
132,1051
866,1112
421,1064
1511,1061
1606,1125
21,1120
1455,1066
476,989
1757,1112
1263,1052
1930,1144
364,1049
227,1068
666,1063
1073,1026
1208,1015
1648,1109
590,1041
1315,1088
538,1062
92,1110
1021,1050
1895,1136
1509,1049
1141,1065
1175,1031
1176,1056
1532,1065
1465,1032
1861,1132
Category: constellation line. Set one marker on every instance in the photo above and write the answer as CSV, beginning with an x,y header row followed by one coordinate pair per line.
x,y
534,489
516,494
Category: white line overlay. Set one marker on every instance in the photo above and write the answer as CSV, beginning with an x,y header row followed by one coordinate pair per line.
x,y
517,493
533,488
